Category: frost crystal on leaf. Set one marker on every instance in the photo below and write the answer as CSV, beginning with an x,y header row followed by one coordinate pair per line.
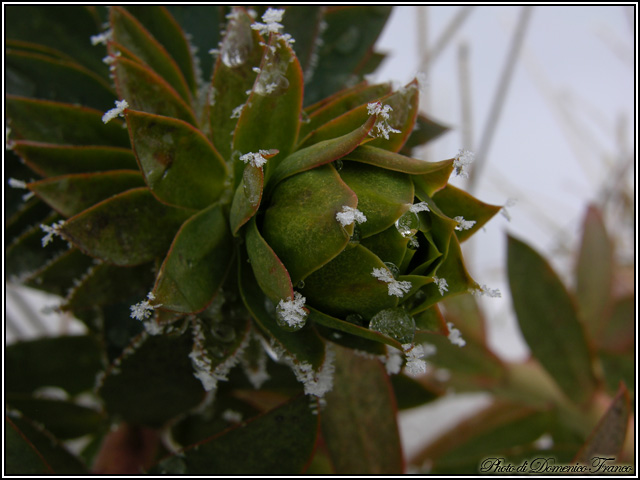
x,y
255,159
382,125
348,215
395,287
237,111
101,37
464,224
485,290
316,383
143,310
271,20
292,312
419,207
114,112
455,337
462,161
442,284
51,231
505,213
15,183
231,416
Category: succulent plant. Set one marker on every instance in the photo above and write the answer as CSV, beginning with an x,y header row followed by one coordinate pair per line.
x,y
269,214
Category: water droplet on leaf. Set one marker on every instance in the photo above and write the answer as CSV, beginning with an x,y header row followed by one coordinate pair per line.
x,y
355,238
396,323
408,224
393,269
355,318
237,44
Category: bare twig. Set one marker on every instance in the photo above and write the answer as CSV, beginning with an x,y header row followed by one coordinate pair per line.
x,y
465,96
446,36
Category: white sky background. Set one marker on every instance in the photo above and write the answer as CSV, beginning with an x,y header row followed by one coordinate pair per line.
x,y
579,58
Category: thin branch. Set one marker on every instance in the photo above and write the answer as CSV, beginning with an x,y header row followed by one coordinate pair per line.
x,y
465,96
445,37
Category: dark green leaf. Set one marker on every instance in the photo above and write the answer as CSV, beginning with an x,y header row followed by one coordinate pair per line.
x,y
59,276
53,160
300,223
148,92
619,333
71,194
279,442
608,437
410,393
61,417
154,382
31,450
303,23
594,273
397,162
129,229
131,34
246,200
548,321
70,363
197,262
359,422
389,245
424,131
180,165
40,76
61,123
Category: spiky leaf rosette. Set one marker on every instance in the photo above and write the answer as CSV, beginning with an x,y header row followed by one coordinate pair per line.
x,y
265,206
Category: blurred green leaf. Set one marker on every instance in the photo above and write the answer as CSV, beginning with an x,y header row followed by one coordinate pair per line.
x,y
62,418
279,442
71,194
180,165
619,367
61,123
618,334
60,275
152,382
302,211
396,162
594,274
424,131
608,437
54,160
128,229
197,263
410,393
30,450
303,23
69,362
359,422
549,321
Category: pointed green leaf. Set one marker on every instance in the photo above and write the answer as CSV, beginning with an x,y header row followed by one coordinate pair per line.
x,y
346,285
70,363
300,223
594,273
410,393
548,321
232,78
106,284
458,203
348,38
402,117
321,153
129,229
131,34
31,450
197,263
618,334
63,418
608,437
304,345
53,160
389,245
148,92
304,24
343,103
59,276
27,215
164,28
279,442
271,119
397,162
246,200
424,131
154,382
39,76
71,194
61,123
359,422
31,47
431,321
619,367
180,165
383,195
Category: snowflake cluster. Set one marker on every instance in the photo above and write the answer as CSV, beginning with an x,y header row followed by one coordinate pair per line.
x,y
349,215
485,290
292,311
51,231
442,284
419,207
395,287
455,337
103,37
464,224
114,112
271,19
143,310
256,159
462,161
382,125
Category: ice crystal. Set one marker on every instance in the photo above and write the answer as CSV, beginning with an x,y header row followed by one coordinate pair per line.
x,y
231,416
442,284
415,364
237,111
143,310
271,20
51,231
395,287
256,159
292,312
382,125
114,112
103,37
319,382
455,337
15,183
485,290
464,224
349,215
505,213
462,161
419,207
